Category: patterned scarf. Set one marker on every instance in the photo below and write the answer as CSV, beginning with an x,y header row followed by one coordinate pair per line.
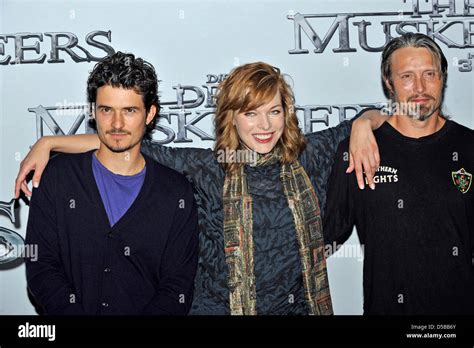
x,y
238,238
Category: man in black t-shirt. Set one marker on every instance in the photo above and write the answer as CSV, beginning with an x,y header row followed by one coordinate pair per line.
x,y
417,226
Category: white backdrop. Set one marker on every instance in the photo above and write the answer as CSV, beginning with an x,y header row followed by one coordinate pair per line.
x,y
193,44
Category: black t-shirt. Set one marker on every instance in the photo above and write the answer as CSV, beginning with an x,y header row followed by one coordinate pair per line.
x,y
416,227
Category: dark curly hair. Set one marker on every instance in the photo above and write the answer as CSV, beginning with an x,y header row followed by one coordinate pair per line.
x,y
125,71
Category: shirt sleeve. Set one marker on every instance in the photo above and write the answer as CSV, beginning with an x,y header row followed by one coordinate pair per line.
x,y
318,157
179,262
46,277
339,217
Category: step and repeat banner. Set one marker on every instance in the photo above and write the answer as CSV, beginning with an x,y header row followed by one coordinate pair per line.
x,y
330,51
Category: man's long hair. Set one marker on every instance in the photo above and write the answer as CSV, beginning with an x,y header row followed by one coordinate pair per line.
x,y
415,40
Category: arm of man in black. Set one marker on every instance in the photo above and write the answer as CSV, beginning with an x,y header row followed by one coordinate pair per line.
x,y
318,157
46,278
174,294
339,217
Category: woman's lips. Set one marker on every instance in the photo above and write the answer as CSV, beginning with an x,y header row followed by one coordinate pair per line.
x,y
263,138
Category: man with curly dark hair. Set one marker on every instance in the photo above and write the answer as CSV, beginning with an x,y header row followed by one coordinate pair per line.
x,y
94,219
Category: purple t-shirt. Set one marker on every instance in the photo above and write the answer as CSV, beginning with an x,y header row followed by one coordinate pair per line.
x,y
117,191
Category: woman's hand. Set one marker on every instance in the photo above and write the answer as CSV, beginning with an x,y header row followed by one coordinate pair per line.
x,y
36,160
364,153
38,157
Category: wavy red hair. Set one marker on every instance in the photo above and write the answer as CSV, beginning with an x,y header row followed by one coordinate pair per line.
x,y
248,87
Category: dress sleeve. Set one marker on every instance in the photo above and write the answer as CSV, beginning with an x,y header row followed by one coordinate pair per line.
x,y
198,165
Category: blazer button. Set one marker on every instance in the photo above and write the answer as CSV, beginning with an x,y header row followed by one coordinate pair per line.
x,y
107,270
105,304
